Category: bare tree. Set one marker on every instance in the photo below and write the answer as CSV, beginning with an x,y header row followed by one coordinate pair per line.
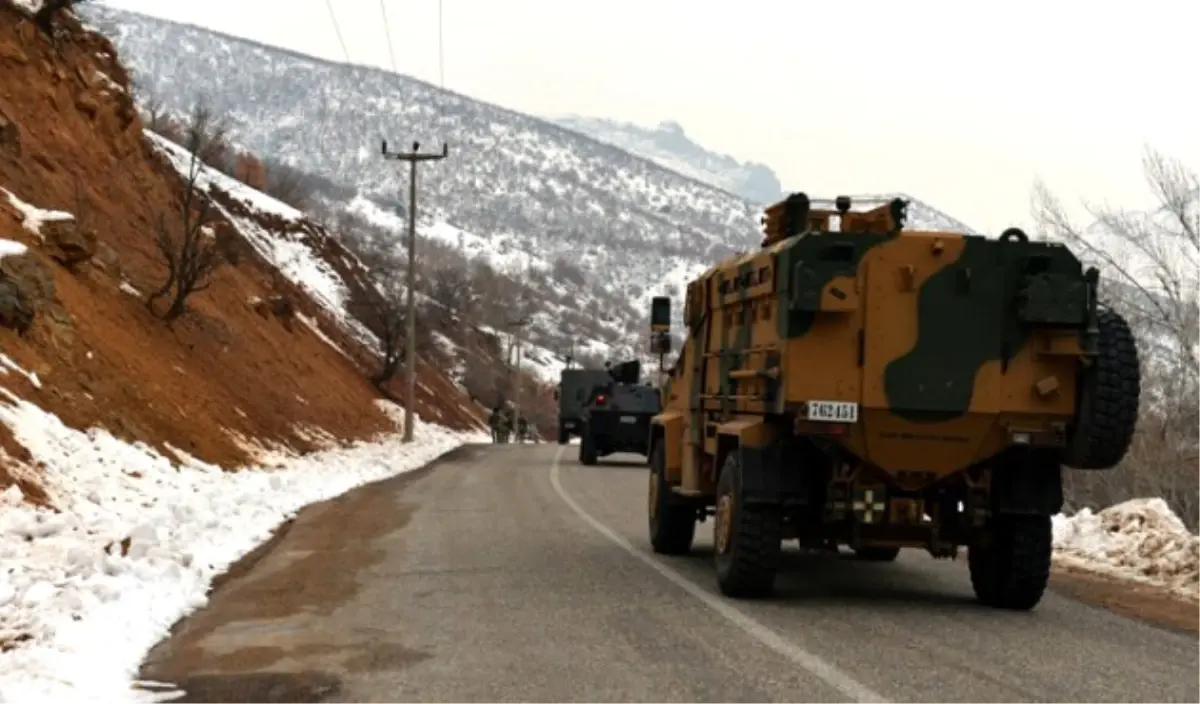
x,y
187,240
451,287
289,184
383,310
158,118
1149,262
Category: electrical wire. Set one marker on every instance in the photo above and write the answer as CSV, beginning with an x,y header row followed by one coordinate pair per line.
x,y
337,30
387,32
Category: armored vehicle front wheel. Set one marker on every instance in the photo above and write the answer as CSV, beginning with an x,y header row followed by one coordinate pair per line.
x,y
672,522
877,554
587,449
747,538
1011,570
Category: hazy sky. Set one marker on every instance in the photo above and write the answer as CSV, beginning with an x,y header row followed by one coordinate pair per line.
x,y
961,104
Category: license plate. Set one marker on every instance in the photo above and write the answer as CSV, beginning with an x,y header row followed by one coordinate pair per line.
x,y
628,419
833,411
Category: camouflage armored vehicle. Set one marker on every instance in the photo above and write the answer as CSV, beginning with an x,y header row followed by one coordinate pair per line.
x,y
857,384
574,385
617,415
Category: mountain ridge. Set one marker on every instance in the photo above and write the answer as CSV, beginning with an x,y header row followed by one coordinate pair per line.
x,y
668,145
602,229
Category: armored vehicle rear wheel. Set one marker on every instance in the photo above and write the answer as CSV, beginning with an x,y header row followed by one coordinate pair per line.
x,y
1011,571
672,522
587,449
1108,398
877,554
747,539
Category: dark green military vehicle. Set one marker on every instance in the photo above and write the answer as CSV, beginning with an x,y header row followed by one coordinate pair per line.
x,y
617,414
574,385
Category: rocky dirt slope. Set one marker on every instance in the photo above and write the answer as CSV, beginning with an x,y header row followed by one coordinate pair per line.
x,y
71,310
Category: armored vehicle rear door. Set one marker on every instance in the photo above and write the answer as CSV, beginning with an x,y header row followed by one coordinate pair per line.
x,y
927,307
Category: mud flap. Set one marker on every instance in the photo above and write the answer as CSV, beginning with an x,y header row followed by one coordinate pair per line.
x,y
1029,486
765,479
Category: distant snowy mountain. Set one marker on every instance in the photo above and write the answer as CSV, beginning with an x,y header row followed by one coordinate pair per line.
x,y
669,146
595,230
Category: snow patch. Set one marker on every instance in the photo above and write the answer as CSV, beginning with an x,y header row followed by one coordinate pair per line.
x,y
1140,539
6,364
9,247
34,217
88,590
30,6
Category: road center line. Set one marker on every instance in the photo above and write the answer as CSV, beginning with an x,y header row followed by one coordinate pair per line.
x,y
819,668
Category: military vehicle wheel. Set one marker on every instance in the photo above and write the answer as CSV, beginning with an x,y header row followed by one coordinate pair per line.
x,y
564,436
1108,398
877,554
1011,571
672,522
747,539
587,449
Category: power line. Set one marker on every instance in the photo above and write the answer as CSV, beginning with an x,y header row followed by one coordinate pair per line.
x,y
337,30
387,32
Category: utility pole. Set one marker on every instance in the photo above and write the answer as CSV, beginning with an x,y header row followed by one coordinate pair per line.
x,y
410,343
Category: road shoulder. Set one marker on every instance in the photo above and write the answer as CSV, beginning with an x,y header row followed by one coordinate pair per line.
x,y
276,594
1136,600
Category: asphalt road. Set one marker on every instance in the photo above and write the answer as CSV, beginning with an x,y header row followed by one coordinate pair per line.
x,y
501,574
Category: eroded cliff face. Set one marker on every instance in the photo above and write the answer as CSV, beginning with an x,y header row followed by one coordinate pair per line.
x,y
83,195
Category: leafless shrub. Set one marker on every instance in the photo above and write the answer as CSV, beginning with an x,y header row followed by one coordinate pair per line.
x,y
385,310
289,184
1149,263
45,15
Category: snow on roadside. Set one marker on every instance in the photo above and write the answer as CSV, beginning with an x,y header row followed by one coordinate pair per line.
x,y
1140,539
86,591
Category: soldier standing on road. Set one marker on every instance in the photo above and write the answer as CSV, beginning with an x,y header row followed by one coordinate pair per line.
x,y
504,426
494,422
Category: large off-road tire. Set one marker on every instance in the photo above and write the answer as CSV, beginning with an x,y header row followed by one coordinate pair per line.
x,y
672,521
747,539
877,554
1109,393
1012,570
587,449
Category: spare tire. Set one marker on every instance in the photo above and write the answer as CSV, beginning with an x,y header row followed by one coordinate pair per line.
x,y
1109,393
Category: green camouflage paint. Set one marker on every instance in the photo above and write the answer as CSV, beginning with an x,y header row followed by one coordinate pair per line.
x,y
969,313
807,264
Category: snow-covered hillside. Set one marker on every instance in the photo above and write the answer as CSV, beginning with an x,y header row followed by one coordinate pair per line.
x,y
670,147
521,192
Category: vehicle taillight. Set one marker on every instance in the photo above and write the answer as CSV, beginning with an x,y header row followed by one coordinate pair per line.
x,y
600,400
